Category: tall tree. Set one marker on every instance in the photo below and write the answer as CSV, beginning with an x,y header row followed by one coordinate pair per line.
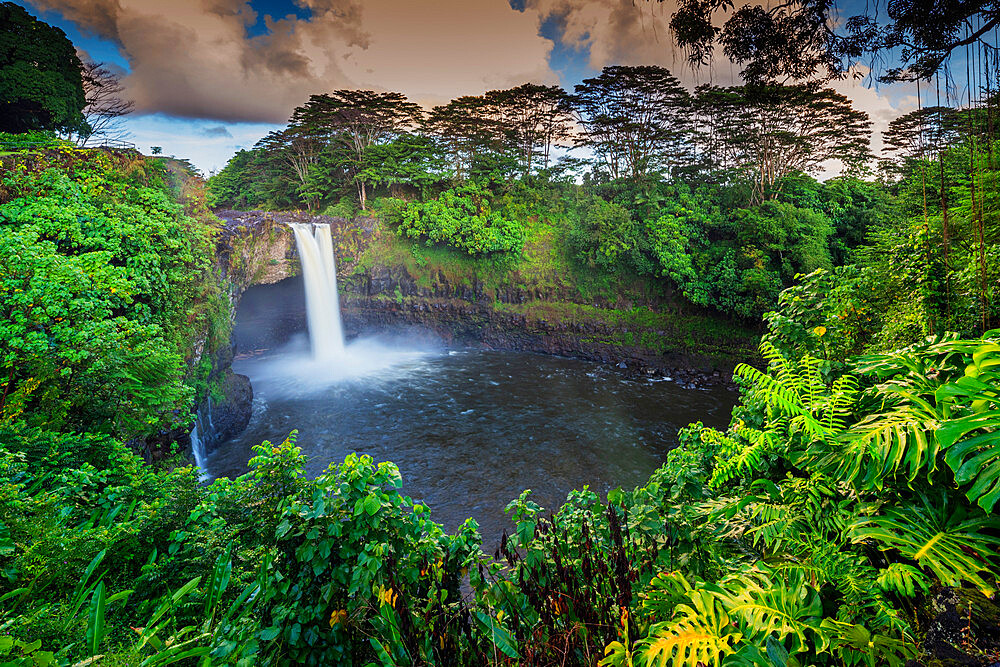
x,y
298,150
411,159
922,133
774,131
358,119
635,119
41,86
534,118
106,104
465,127
918,135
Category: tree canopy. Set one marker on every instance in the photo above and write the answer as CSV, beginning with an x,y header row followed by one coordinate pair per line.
x,y
775,131
41,85
355,119
802,39
635,119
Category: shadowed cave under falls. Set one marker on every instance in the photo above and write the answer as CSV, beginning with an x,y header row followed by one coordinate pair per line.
x,y
468,428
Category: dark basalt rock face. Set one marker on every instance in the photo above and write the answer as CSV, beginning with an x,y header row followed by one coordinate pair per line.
x,y
232,415
386,299
458,323
963,630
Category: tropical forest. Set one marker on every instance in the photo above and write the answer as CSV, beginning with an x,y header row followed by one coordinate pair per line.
x,y
528,333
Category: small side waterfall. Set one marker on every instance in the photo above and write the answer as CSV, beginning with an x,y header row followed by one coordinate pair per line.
x,y
319,269
198,447
201,437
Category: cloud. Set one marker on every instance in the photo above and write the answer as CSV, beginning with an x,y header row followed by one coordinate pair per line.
x,y
195,58
878,103
627,33
436,50
208,59
215,131
624,32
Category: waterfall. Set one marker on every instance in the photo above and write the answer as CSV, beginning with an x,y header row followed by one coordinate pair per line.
x,y
319,270
203,436
199,441
197,447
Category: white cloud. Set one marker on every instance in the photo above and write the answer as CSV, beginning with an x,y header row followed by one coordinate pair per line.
x,y
202,142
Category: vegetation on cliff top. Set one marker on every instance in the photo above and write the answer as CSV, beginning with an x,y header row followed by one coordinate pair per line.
x,y
670,194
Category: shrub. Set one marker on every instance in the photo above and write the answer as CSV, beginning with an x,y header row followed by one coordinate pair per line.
x,y
462,218
31,141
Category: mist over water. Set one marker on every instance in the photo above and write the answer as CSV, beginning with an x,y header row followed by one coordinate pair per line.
x,y
294,372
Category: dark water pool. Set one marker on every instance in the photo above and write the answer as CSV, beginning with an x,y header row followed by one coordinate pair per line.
x,y
470,429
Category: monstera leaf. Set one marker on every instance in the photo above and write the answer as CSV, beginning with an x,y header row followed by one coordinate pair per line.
x,y
786,609
855,645
976,459
700,634
972,441
941,396
947,542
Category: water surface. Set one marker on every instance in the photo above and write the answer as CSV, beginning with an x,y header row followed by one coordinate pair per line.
x,y
470,429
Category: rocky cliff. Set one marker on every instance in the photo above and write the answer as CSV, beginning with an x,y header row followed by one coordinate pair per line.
x,y
386,284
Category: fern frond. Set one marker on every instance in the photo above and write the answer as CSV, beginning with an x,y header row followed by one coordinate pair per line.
x,y
735,459
777,395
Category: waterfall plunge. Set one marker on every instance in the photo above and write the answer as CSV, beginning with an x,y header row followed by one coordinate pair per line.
x,y
293,372
319,270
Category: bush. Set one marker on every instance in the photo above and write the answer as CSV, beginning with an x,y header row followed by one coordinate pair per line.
x,y
345,208
604,235
106,284
31,141
461,218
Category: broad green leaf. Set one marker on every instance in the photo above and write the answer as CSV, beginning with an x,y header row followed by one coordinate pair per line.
x,y
95,622
942,539
498,634
700,634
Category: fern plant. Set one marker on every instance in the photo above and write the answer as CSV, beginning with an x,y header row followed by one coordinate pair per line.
x,y
796,391
739,454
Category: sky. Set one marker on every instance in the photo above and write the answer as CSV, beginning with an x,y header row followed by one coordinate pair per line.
x,y
209,77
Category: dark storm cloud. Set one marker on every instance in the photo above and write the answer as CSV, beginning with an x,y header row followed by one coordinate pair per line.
x,y
94,17
227,60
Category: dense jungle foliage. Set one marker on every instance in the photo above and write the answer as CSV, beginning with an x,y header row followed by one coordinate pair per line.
x,y
847,516
671,190
850,506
